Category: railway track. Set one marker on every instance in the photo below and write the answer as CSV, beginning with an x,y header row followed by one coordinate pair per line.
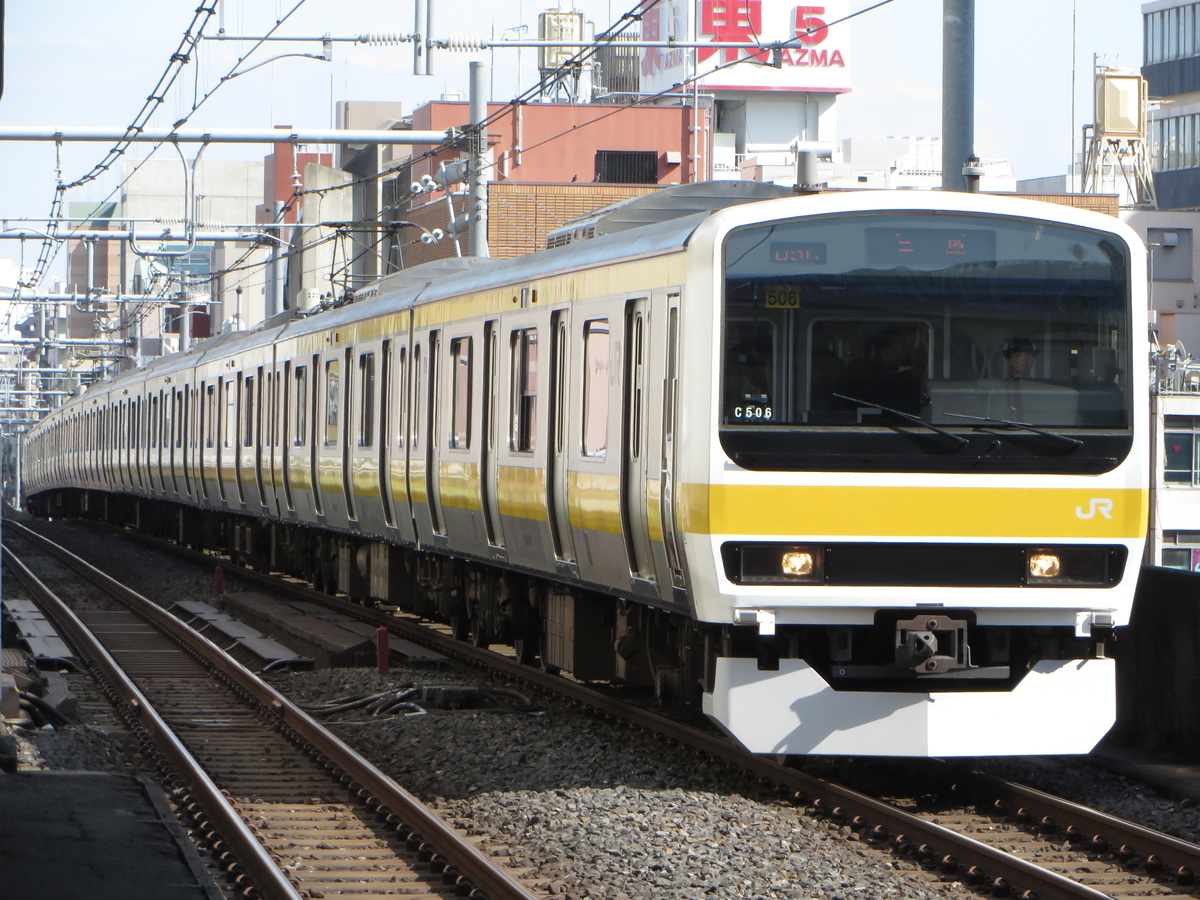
x,y
290,810
1000,837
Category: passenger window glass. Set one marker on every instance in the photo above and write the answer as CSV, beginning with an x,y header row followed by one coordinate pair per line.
x,y
595,388
460,413
366,374
523,425
301,396
333,380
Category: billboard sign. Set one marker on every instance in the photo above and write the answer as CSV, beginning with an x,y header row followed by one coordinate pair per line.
x,y
814,57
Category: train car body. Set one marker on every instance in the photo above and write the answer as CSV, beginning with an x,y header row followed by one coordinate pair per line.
x,y
776,459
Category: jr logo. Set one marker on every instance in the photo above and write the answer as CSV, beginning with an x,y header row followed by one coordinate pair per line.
x,y
1096,505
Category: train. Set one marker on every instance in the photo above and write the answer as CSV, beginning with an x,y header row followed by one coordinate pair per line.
x,y
768,455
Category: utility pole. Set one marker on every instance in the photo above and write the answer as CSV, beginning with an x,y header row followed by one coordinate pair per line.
x,y
958,93
477,243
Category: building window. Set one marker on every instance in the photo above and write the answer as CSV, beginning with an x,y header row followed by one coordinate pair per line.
x,y
1181,550
627,166
1173,143
1180,467
1171,34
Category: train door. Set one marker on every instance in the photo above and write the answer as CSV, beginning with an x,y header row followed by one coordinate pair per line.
x,y
186,437
156,479
403,431
433,444
238,425
228,439
259,430
366,474
137,440
412,473
634,463
285,449
166,422
669,569
270,426
556,456
347,436
207,406
385,434
489,465
317,436
177,438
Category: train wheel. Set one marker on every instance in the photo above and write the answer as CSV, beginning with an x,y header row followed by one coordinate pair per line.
x,y
526,647
481,634
460,626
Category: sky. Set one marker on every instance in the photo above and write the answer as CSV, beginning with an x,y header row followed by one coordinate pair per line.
x,y
79,62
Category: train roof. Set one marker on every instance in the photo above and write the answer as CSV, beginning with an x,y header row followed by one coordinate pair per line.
x,y
427,282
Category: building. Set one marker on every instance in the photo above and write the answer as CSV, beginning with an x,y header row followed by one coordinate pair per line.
x,y
1171,68
546,164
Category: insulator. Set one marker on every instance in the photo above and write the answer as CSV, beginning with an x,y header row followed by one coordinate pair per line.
x,y
385,38
465,42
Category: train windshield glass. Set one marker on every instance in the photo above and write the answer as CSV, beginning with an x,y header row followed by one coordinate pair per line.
x,y
931,341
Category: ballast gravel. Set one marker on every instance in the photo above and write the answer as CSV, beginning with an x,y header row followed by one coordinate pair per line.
x,y
591,809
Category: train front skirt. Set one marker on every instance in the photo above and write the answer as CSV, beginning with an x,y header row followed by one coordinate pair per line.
x,y
1060,707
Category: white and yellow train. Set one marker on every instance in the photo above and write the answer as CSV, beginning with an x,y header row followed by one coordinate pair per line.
x,y
858,473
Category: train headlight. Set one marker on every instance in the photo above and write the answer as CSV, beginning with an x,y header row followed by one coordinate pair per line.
x,y
1071,566
1044,565
797,563
774,563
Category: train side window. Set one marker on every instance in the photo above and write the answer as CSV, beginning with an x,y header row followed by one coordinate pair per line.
x,y
415,425
333,381
523,423
210,394
366,377
595,388
301,415
155,423
402,419
179,419
248,413
460,400
230,411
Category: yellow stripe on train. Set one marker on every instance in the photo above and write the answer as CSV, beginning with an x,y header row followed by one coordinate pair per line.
x,y
1029,513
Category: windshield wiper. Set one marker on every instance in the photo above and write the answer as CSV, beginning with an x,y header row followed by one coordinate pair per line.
x,y
907,417
1070,441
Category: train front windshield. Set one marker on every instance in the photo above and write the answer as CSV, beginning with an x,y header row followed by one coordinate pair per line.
x,y
926,342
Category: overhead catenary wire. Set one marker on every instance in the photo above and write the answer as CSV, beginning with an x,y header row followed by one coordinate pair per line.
x,y
609,36
192,37
157,97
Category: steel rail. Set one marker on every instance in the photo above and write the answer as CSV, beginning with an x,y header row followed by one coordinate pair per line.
x,y
270,881
843,803
1081,822
468,861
